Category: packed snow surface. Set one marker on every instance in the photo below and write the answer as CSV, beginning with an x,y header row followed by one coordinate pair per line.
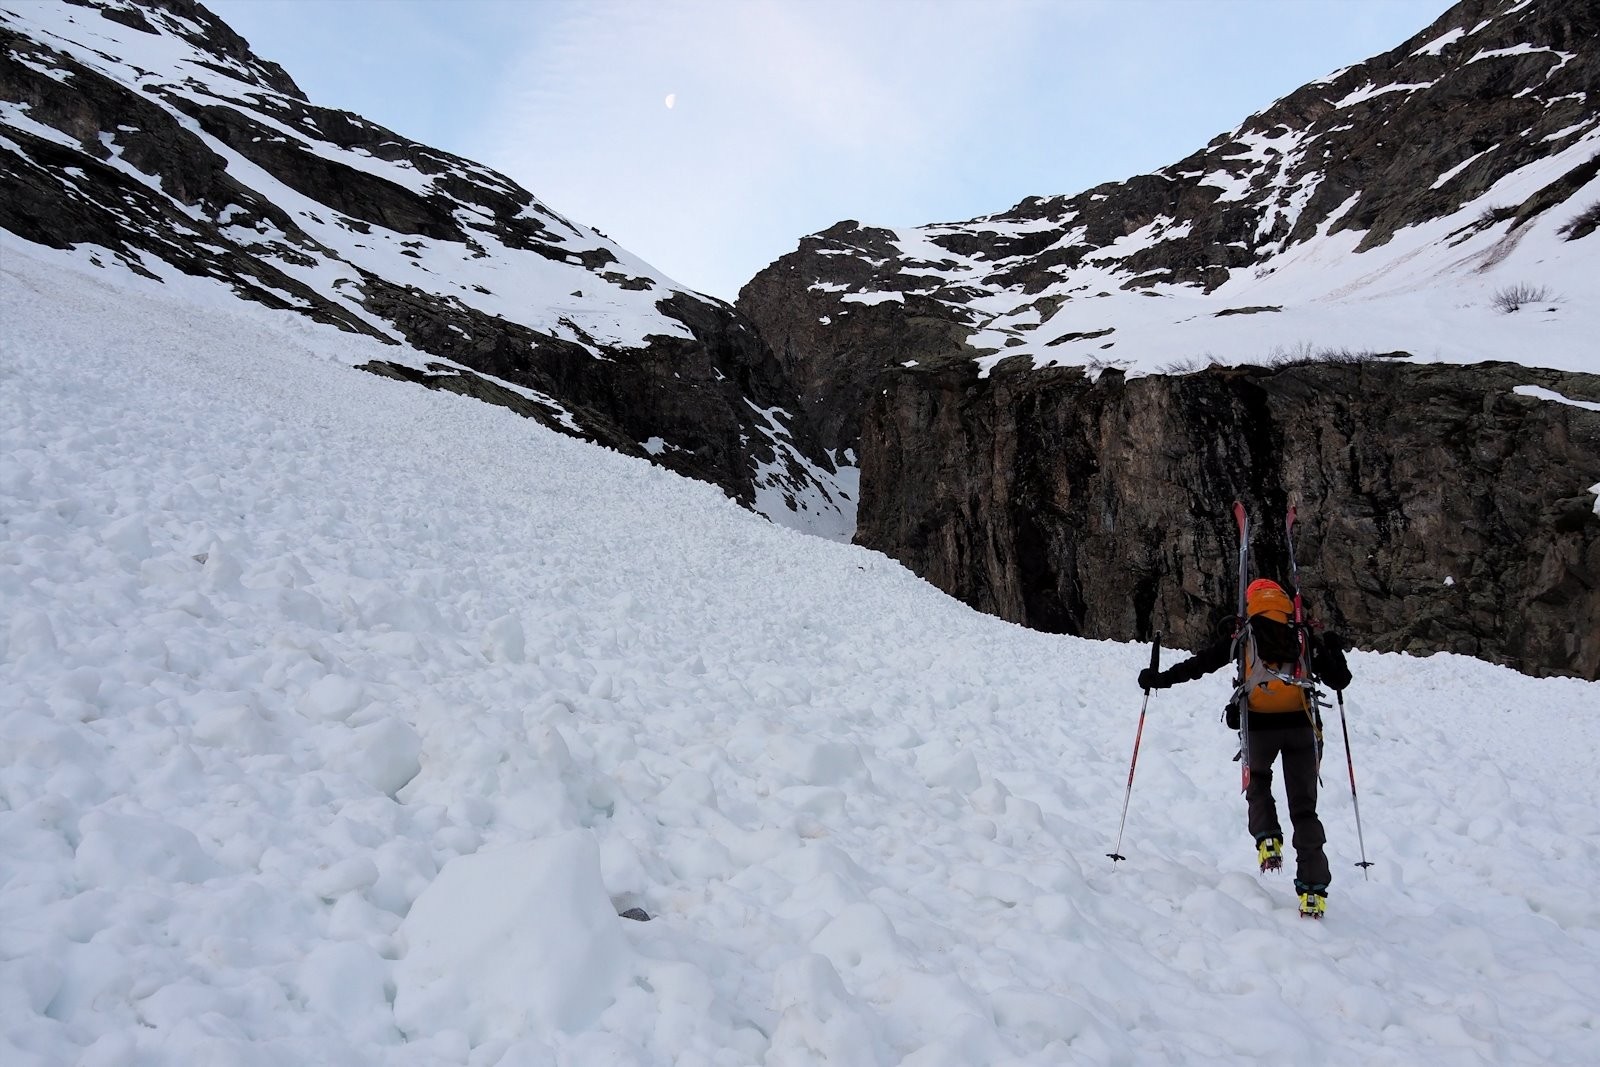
x,y
341,719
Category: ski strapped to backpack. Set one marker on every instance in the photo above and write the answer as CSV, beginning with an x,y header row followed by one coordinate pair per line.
x,y
1314,701
1274,675
1243,520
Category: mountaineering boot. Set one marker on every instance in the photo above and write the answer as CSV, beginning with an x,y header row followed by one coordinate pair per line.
x,y
1269,853
1313,900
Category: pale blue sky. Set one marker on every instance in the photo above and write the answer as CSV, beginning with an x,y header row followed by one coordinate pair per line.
x,y
789,116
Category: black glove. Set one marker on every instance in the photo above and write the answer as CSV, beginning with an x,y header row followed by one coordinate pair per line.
x,y
1150,678
1331,665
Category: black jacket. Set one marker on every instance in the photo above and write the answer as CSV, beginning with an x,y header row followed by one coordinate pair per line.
x,y
1327,663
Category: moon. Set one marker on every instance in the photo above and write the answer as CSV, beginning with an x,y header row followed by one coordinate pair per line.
x,y
672,99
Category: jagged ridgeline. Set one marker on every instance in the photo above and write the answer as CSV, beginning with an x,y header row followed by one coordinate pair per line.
x,y
146,133
1378,299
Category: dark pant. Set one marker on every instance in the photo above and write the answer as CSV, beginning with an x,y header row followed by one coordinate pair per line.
x,y
1298,746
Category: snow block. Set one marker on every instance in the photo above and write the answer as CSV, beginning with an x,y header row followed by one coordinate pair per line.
x,y
347,982
31,634
387,755
817,763
332,698
504,640
121,849
334,881
820,1021
510,941
129,537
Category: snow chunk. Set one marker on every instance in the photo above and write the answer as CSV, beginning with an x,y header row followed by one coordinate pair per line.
x,y
820,1021
505,641
357,872
120,849
384,754
31,633
332,698
347,982
128,536
817,763
515,939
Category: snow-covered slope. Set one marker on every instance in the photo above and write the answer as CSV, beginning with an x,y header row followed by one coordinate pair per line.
x,y
146,129
341,719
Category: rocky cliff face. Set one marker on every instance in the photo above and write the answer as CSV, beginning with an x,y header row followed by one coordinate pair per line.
x,y
1440,510
1055,405
146,133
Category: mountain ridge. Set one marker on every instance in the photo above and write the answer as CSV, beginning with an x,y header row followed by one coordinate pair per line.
x,y
149,129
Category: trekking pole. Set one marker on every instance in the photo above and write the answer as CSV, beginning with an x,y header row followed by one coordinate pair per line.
x,y
1155,664
1354,800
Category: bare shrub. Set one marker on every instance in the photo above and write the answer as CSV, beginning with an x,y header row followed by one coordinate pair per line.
x,y
1292,355
1583,223
1512,297
1493,214
1305,353
1347,355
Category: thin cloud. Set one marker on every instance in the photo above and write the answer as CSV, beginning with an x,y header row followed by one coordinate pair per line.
x,y
790,116
787,117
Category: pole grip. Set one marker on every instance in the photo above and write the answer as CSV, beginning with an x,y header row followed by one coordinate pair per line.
x,y
1155,653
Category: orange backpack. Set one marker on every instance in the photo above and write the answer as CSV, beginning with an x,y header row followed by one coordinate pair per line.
x,y
1271,677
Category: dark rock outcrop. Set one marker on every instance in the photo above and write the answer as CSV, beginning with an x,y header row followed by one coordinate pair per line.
x,y
1441,510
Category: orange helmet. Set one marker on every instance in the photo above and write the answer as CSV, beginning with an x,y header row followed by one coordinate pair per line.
x,y
1264,594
